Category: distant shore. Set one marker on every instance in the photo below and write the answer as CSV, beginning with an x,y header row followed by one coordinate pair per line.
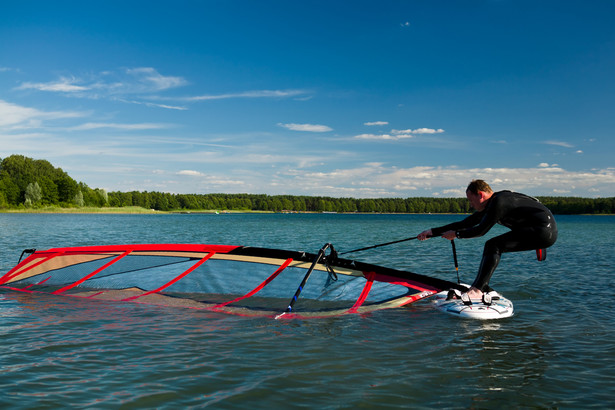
x,y
121,210
144,211
140,210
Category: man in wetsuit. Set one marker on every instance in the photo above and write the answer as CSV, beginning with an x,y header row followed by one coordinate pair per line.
x,y
531,224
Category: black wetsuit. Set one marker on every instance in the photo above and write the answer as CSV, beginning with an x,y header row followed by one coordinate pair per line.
x,y
532,226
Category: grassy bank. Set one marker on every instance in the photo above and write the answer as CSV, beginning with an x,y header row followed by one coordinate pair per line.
x,y
116,210
83,210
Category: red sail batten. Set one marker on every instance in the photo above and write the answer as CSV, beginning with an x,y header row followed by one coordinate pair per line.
x,y
259,287
179,277
80,281
368,286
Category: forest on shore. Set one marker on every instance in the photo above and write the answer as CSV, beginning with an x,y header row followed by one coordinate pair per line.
x,y
27,183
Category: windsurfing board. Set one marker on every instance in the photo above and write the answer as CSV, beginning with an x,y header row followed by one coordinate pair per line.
x,y
499,308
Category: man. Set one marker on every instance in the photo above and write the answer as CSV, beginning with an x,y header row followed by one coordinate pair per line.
x,y
531,224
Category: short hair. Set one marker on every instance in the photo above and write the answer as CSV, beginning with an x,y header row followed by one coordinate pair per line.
x,y
478,185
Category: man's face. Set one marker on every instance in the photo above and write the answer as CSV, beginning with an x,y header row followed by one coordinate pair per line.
x,y
477,201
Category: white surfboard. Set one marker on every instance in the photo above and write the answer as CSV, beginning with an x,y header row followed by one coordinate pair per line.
x,y
499,308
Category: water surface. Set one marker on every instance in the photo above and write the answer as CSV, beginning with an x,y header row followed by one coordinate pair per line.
x,y
557,351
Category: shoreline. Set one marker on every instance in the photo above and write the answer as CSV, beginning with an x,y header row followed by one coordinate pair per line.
x,y
144,211
135,210
128,210
85,210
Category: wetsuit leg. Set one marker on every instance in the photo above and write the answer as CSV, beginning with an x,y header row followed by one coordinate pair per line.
x,y
513,241
490,261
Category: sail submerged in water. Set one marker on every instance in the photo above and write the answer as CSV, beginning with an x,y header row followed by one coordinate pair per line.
x,y
233,279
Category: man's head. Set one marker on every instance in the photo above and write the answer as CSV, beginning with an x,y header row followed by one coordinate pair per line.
x,y
478,193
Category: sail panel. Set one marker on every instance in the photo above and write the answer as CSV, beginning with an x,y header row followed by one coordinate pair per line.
x,y
241,280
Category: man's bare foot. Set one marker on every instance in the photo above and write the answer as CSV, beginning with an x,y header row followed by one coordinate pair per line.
x,y
475,293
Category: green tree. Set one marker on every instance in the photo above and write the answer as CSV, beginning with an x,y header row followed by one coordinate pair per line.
x,y
3,202
67,187
78,199
33,194
10,189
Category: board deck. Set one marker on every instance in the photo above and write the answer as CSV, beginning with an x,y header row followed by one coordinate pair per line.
x,y
500,307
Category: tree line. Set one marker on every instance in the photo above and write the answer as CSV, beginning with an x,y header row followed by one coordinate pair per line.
x,y
29,183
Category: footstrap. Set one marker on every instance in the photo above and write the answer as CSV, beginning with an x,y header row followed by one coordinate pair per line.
x,y
453,294
490,297
456,294
465,298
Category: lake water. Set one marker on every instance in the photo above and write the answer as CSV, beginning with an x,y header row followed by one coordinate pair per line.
x,y
558,351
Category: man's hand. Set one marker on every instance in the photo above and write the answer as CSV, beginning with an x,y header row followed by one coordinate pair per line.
x,y
424,235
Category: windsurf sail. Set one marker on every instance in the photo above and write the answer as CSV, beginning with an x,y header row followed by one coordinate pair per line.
x,y
240,280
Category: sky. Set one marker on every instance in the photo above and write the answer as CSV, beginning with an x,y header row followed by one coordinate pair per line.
x,y
362,99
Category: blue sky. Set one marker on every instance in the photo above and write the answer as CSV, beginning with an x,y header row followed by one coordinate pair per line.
x,y
358,99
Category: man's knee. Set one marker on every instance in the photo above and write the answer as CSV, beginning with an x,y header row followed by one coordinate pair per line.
x,y
492,247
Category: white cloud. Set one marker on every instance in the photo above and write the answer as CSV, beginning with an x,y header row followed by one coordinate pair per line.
x,y
191,173
150,104
96,125
133,85
14,114
153,80
117,164
451,181
399,134
559,144
248,94
141,80
375,137
25,117
63,85
369,124
306,127
419,131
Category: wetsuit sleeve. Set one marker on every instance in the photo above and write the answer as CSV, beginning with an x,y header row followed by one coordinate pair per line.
x,y
466,223
490,216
